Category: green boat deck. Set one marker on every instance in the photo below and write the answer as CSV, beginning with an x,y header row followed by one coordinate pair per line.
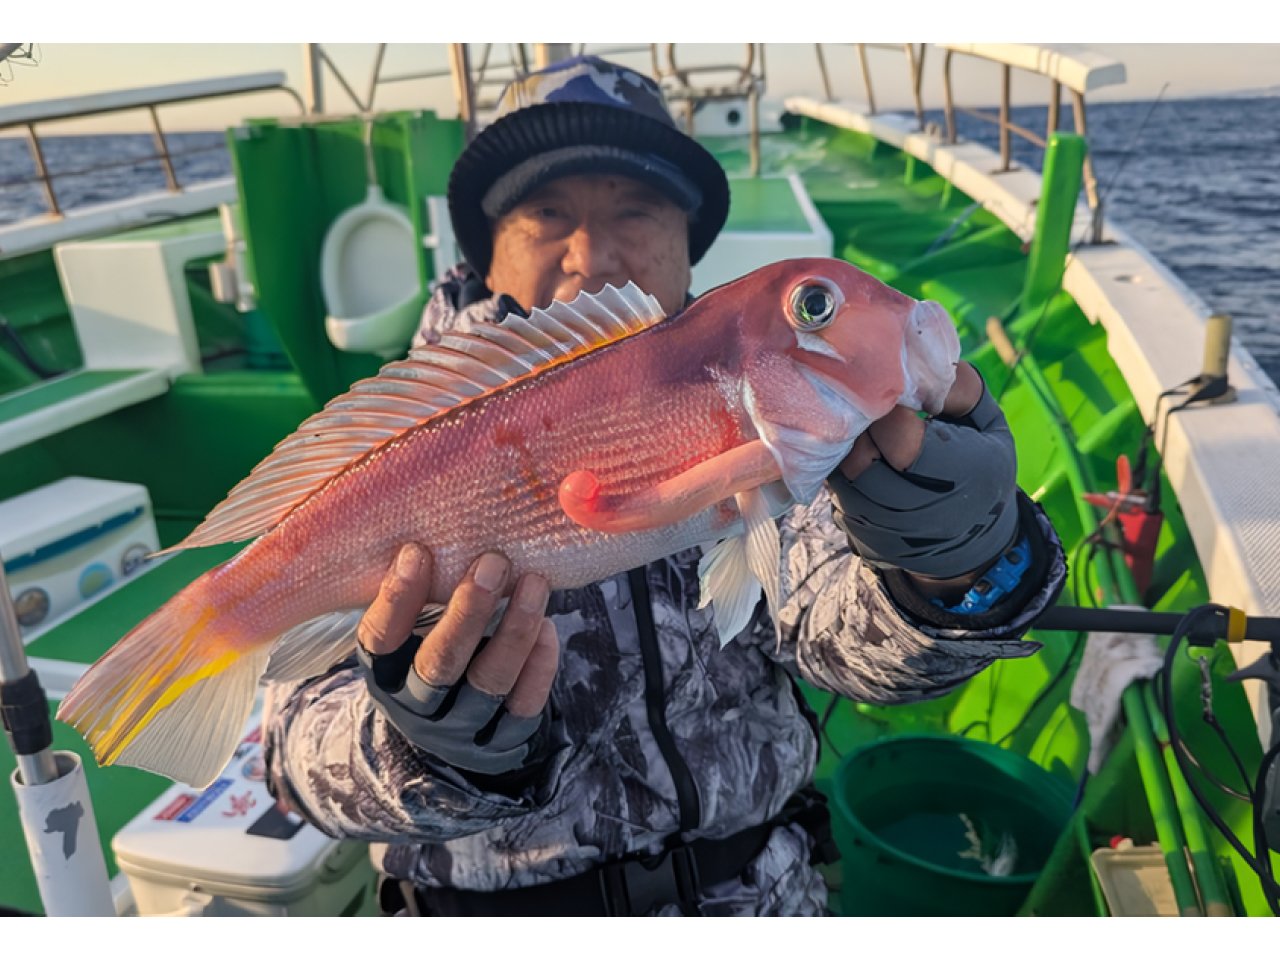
x,y
764,205
888,214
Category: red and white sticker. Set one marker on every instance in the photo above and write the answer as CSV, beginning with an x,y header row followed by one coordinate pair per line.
x,y
176,806
240,805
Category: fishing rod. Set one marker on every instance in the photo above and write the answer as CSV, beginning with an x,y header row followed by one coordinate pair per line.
x,y
1223,623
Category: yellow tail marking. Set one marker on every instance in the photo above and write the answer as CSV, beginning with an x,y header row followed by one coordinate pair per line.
x,y
174,691
111,734
127,690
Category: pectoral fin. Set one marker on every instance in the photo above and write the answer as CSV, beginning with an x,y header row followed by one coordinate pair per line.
x,y
732,573
589,504
728,584
764,549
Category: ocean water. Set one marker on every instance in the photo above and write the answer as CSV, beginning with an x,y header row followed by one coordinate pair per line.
x,y
1195,181
196,157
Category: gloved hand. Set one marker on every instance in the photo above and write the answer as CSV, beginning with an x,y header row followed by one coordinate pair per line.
x,y
934,497
486,720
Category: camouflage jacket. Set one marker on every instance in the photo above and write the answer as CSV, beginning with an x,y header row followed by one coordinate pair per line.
x,y
606,788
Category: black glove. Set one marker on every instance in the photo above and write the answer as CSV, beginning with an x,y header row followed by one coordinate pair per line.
x,y
461,725
951,512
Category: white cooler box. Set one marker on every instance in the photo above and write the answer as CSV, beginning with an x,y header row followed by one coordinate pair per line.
x,y
230,851
68,541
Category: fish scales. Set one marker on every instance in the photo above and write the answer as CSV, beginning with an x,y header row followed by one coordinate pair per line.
x,y
485,477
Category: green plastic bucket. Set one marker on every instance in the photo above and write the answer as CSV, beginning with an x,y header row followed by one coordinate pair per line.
x,y
942,826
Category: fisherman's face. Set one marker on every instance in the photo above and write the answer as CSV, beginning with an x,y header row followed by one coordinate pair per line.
x,y
578,233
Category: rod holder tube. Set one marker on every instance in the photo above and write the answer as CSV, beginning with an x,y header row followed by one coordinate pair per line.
x,y
1217,346
62,838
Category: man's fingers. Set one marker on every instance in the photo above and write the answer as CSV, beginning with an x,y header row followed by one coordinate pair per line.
x,y
495,668
863,454
965,392
533,686
389,619
895,438
898,437
449,646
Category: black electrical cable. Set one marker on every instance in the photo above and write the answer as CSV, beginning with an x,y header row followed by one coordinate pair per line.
x,y
1209,775
1216,726
822,725
1270,889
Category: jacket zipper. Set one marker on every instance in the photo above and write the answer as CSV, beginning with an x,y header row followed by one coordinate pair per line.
x,y
654,700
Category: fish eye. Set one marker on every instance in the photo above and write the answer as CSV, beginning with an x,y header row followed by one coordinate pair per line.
x,y
812,306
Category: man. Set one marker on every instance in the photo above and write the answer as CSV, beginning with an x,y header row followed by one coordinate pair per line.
x,y
595,751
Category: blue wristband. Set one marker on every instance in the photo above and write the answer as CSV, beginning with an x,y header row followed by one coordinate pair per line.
x,y
997,582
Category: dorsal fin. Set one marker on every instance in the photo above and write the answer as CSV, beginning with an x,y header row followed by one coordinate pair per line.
x,y
406,394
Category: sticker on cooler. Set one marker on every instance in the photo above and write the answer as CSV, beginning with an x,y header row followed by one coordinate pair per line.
x,y
254,769
240,805
176,806
205,800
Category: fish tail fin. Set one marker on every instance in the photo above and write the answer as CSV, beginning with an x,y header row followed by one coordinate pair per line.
x,y
171,697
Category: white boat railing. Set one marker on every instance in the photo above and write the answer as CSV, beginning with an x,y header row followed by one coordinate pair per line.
x,y
1070,67
27,115
1076,68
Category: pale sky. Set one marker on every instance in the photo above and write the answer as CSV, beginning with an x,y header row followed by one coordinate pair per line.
x,y
68,69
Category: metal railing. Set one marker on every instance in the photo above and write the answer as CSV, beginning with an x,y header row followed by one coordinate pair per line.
x,y
1077,80
685,87
915,67
28,115
486,73
747,80
477,78
1073,70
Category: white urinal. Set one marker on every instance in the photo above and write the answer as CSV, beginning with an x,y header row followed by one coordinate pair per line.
x,y
369,274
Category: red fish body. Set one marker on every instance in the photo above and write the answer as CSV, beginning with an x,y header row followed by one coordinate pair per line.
x,y
590,439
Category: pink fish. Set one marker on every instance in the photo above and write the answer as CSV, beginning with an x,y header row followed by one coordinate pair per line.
x,y
586,440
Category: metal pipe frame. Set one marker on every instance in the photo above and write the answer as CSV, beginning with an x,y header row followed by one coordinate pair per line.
x,y
1090,180
42,170
373,77
948,101
464,92
866,77
1006,92
170,175
916,67
822,69
342,82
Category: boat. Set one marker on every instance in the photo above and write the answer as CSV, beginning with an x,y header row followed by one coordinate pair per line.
x,y
156,348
